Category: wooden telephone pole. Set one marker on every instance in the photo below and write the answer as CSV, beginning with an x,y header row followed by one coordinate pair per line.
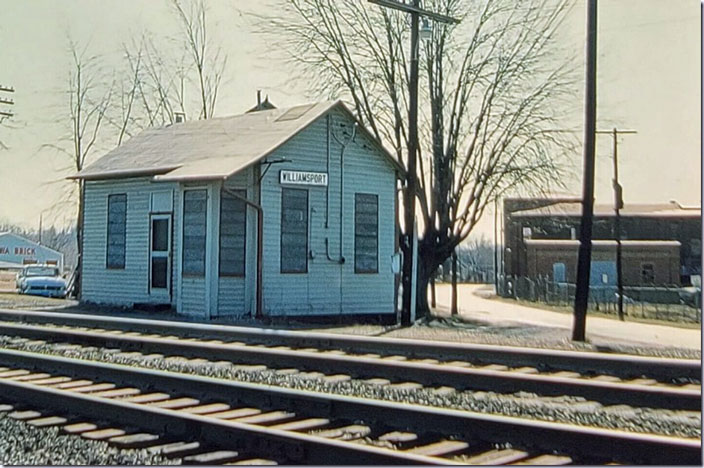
x,y
409,198
7,102
618,205
581,297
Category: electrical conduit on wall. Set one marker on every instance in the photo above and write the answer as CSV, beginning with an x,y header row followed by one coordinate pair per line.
x,y
343,146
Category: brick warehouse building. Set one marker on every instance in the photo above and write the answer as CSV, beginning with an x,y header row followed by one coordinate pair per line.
x,y
661,242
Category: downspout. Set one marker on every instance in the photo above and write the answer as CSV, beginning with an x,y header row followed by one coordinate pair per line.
x,y
327,188
260,248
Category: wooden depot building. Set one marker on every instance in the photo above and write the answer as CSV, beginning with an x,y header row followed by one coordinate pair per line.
x,y
279,212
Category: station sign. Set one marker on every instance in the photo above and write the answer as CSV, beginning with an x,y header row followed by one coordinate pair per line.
x,y
303,178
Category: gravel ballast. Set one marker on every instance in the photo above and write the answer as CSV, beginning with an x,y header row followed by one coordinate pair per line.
x,y
562,409
23,444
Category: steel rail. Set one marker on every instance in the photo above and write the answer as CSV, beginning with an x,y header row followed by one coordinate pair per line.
x,y
586,441
250,439
578,361
366,367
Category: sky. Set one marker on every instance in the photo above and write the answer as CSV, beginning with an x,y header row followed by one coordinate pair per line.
x,y
649,80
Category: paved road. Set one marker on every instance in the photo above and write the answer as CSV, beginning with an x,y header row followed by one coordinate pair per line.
x,y
473,303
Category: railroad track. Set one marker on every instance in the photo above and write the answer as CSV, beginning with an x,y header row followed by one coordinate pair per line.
x,y
608,379
226,421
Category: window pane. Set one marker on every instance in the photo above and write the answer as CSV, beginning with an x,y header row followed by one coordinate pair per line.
x,y
159,272
233,229
194,227
647,273
294,231
366,233
160,235
116,231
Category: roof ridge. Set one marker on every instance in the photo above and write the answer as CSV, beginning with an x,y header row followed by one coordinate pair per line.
x,y
217,148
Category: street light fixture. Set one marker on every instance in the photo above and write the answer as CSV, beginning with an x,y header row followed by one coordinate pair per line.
x,y
426,31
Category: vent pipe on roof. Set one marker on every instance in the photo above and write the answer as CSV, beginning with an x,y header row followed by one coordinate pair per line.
x,y
261,105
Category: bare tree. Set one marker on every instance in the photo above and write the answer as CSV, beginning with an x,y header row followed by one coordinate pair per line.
x,y
208,60
130,87
147,94
490,94
477,255
88,97
157,77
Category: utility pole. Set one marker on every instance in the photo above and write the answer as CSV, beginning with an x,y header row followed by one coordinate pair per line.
x,y
496,250
409,196
453,306
8,102
618,205
581,298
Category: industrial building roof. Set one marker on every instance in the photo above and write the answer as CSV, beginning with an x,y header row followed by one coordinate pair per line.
x,y
625,243
211,149
672,209
27,241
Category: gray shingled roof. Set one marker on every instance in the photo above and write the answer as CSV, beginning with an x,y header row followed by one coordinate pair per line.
x,y
209,149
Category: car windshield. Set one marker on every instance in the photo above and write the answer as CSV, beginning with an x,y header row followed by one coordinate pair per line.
x,y
41,271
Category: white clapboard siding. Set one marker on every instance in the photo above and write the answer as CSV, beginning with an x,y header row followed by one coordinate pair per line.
x,y
118,286
193,296
233,296
193,291
330,288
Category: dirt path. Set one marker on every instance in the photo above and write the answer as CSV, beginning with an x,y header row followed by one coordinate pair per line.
x,y
473,303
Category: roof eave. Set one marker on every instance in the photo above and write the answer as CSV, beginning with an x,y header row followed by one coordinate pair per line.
x,y
392,159
121,174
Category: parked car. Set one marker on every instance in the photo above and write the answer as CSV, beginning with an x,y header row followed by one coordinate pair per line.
x,y
41,280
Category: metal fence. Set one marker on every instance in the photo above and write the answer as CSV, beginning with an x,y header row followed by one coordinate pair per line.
x,y
667,303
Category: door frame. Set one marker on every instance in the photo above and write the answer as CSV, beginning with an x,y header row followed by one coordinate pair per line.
x,y
167,292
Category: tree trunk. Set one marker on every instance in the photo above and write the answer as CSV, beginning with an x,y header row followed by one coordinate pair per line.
x,y
433,304
424,274
79,239
453,308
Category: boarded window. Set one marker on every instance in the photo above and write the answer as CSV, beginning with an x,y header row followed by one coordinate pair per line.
x,y
233,233
117,231
366,233
194,225
294,231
